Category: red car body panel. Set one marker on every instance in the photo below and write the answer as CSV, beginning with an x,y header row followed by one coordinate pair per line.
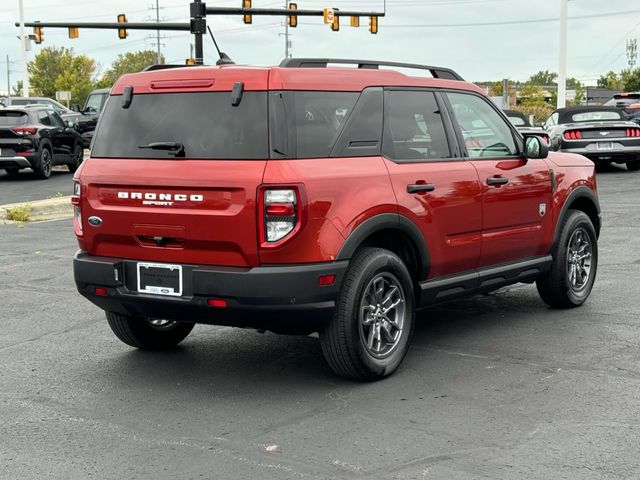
x,y
466,224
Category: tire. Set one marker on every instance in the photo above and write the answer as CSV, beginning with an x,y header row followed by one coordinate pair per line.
x,y
633,165
12,171
140,332
347,339
565,285
78,156
44,165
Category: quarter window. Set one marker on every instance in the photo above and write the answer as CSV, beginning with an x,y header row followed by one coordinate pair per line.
x,y
485,132
414,128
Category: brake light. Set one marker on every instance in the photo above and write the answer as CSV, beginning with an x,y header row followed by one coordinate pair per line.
x,y
77,211
572,135
24,130
633,132
280,214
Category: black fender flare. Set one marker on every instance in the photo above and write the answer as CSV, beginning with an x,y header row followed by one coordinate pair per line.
x,y
579,192
389,221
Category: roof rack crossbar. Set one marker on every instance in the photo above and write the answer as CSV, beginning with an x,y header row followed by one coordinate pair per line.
x,y
436,72
164,66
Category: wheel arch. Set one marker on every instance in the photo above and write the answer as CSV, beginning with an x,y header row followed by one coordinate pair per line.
x,y
395,233
584,200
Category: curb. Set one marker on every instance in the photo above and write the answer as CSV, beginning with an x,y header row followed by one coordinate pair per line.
x,y
50,209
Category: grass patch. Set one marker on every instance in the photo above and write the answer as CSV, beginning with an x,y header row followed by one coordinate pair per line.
x,y
19,213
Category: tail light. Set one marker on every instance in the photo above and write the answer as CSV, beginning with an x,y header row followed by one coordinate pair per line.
x,y
633,132
572,135
280,214
24,130
77,212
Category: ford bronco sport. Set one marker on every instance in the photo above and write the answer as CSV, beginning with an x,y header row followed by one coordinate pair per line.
x,y
311,197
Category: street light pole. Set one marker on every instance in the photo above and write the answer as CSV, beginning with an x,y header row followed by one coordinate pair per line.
x,y
23,41
158,31
562,70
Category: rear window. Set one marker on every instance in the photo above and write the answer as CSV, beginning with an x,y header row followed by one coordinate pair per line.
x,y
595,116
11,119
517,121
206,124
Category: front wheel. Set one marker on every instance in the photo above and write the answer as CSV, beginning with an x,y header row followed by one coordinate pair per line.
x,y
146,333
575,261
370,331
78,156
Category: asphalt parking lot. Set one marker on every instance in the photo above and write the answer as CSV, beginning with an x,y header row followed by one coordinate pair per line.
x,y
497,386
24,188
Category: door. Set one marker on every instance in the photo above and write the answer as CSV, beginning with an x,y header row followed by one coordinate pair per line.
x,y
517,192
434,187
62,137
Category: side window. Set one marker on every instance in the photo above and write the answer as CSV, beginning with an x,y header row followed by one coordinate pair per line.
x,y
362,133
56,121
552,121
413,128
485,132
43,118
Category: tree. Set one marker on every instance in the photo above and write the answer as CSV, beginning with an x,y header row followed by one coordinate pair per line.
x,y
532,95
631,80
543,77
129,62
59,69
611,81
17,89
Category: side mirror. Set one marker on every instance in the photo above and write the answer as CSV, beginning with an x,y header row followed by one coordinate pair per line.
x,y
70,124
535,147
75,107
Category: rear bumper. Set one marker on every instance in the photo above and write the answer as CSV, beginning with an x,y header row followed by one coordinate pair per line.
x,y
282,298
14,162
619,152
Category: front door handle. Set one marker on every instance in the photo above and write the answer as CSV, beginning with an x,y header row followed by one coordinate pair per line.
x,y
420,187
497,181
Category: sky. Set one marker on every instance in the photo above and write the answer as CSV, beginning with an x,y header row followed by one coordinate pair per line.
x,y
480,39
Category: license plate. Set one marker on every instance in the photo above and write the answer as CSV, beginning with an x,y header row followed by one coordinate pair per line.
x,y
605,145
160,279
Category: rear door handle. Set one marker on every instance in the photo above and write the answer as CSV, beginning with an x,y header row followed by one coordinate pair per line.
x,y
497,181
420,187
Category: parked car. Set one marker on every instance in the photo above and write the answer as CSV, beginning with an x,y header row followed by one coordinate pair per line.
x,y
629,102
602,134
91,112
322,199
38,138
521,122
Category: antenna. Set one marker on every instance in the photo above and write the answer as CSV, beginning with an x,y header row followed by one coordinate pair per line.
x,y
224,58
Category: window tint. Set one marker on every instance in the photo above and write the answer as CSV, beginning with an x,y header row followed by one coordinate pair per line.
x,y
205,123
11,119
485,132
595,116
316,120
93,103
56,121
517,121
44,119
362,134
19,102
413,128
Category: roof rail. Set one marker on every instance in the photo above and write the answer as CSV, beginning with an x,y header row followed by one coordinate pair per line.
x,y
436,72
164,66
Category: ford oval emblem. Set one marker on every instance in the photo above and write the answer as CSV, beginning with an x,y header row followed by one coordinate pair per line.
x,y
94,221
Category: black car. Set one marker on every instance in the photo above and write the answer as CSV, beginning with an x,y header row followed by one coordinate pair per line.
x,y
629,102
90,113
602,134
520,121
38,138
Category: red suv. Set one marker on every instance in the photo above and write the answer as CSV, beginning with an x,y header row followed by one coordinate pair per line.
x,y
311,197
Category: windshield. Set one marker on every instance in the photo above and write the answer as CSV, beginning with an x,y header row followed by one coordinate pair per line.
x,y
94,102
595,116
12,119
206,124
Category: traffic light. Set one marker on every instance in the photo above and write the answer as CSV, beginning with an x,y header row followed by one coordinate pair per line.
x,y
190,61
74,32
373,25
292,20
328,14
39,34
355,21
335,25
122,32
246,18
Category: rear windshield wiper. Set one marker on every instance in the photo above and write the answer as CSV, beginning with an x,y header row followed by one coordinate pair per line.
x,y
175,148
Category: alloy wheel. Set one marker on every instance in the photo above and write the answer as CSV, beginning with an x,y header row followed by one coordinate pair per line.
x,y
579,254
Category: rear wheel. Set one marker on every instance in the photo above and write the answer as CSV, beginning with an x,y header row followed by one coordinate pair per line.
x,y
146,333
369,334
575,262
633,165
44,165
78,156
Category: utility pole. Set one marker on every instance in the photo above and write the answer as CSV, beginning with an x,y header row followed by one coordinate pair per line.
x,y
23,41
286,33
198,28
562,70
8,77
158,61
